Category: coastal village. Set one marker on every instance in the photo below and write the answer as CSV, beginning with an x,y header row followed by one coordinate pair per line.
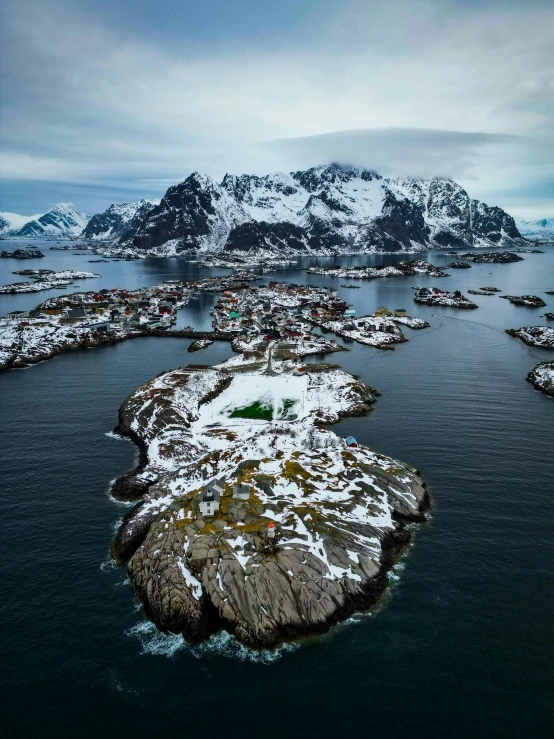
x,y
295,320
294,316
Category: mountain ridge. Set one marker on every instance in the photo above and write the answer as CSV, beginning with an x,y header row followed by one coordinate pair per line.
x,y
325,210
117,221
541,228
61,220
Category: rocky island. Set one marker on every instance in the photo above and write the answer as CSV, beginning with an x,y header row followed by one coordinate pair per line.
x,y
399,269
45,279
542,377
434,296
530,301
253,518
22,254
540,336
491,257
459,265
199,344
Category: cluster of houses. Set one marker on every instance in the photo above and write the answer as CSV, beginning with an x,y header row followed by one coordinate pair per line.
x,y
119,310
277,311
434,296
112,310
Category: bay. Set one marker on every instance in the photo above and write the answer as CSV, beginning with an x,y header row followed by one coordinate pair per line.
x,y
462,644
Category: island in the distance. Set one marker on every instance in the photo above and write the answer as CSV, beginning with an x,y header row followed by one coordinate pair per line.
x,y
45,279
22,254
254,518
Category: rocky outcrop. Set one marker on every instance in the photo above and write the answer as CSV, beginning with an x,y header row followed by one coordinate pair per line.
x,y
22,254
404,268
491,257
339,512
530,301
542,377
540,336
199,344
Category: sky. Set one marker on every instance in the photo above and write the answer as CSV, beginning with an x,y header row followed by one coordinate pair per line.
x,y
105,101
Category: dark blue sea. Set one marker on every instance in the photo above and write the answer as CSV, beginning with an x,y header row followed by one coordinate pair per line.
x,y
462,645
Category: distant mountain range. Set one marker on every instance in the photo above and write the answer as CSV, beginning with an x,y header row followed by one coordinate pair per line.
x,y
326,210
61,220
10,222
331,209
541,229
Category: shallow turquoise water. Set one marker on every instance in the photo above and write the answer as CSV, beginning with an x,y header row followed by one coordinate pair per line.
x,y
462,645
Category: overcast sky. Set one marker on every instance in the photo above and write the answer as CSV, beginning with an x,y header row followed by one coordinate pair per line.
x,y
112,100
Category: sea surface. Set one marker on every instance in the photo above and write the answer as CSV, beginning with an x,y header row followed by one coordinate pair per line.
x,y
461,646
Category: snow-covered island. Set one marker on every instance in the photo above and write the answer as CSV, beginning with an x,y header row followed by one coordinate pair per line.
x,y
400,269
434,296
530,301
541,336
542,377
253,518
491,257
45,279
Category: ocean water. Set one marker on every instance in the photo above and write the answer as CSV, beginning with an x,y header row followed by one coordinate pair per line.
x,y
462,644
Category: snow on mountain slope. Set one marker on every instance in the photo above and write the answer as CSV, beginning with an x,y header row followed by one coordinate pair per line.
x,y
453,217
119,220
539,229
14,221
328,209
61,220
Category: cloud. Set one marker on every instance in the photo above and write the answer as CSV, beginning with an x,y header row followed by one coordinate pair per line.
x,y
436,87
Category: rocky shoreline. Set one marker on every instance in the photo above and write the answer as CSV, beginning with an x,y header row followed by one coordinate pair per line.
x,y
22,346
305,528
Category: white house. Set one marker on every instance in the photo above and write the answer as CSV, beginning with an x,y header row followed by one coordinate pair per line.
x,y
209,501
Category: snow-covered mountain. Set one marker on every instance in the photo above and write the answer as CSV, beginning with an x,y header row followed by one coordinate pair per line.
x,y
13,221
328,209
120,220
61,220
540,229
